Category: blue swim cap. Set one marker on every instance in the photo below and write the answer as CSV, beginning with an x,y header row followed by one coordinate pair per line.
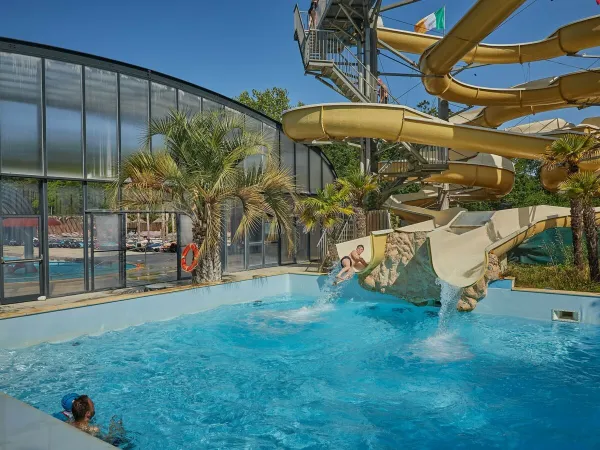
x,y
67,401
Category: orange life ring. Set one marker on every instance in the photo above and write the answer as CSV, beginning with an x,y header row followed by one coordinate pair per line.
x,y
194,248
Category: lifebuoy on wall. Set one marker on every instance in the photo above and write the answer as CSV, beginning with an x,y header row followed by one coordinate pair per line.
x,y
194,249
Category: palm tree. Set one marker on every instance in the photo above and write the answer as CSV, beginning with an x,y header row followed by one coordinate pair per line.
x,y
584,186
568,151
201,173
359,185
329,209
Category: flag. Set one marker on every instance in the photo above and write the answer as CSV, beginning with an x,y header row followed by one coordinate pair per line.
x,y
437,20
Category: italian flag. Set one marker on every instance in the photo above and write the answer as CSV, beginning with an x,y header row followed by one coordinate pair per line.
x,y
436,20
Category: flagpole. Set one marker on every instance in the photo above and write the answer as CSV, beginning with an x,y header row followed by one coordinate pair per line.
x,y
444,30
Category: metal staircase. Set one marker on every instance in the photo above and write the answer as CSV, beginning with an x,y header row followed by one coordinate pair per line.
x,y
328,59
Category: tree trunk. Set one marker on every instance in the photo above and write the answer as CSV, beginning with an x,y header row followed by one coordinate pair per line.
x,y
577,230
209,269
591,237
361,221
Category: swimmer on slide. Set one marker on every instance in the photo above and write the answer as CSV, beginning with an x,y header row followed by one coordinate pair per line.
x,y
354,260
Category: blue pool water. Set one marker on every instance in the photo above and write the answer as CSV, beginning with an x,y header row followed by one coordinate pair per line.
x,y
294,372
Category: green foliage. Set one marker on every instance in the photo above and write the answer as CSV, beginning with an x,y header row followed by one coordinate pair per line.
x,y
563,277
345,158
271,102
329,208
568,150
583,185
359,185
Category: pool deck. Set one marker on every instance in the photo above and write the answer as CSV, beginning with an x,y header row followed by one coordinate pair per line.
x,y
96,298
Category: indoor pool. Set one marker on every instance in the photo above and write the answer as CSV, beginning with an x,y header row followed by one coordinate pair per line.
x,y
298,372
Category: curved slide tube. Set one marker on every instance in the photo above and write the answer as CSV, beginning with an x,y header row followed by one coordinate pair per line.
x,y
374,249
463,42
394,123
568,39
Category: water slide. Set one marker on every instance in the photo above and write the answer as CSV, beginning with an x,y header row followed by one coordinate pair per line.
x,y
549,94
398,123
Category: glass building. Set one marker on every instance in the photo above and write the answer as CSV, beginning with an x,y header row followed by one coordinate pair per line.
x,y
67,119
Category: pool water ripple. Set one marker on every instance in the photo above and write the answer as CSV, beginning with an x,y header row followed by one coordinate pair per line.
x,y
295,372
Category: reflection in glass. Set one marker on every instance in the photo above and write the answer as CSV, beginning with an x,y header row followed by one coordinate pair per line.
x,y
63,119
235,247
287,256
21,280
20,114
101,123
272,137
255,255
315,236
271,244
186,237
106,232
327,174
21,237
189,103
210,106
65,237
287,153
163,101
134,114
106,270
19,196
99,196
301,168
315,171
301,244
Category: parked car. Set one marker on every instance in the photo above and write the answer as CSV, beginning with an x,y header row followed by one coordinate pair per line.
x,y
169,247
153,247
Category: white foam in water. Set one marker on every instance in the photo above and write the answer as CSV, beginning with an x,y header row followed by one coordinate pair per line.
x,y
307,314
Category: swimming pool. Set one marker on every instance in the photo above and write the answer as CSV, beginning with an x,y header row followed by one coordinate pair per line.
x,y
296,372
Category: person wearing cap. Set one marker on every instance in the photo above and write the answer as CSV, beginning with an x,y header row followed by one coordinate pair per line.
x,y
67,404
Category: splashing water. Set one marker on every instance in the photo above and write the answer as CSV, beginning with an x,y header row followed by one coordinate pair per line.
x,y
449,296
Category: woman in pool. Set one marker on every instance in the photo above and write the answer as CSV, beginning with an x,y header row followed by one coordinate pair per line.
x,y
354,260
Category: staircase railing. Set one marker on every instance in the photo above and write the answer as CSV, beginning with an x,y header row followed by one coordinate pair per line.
x,y
326,46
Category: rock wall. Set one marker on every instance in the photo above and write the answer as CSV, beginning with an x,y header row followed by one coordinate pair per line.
x,y
406,272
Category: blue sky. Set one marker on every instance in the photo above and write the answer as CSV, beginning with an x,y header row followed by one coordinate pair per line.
x,y
233,45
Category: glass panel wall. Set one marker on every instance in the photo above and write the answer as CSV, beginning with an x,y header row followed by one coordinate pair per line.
x,y
83,103
20,226
163,101
235,247
101,123
65,237
301,168
189,103
64,150
287,154
186,236
315,171
328,177
20,114
301,243
315,236
271,243
134,114
210,106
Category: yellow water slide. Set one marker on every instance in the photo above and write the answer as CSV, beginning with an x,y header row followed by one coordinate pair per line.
x,y
463,43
